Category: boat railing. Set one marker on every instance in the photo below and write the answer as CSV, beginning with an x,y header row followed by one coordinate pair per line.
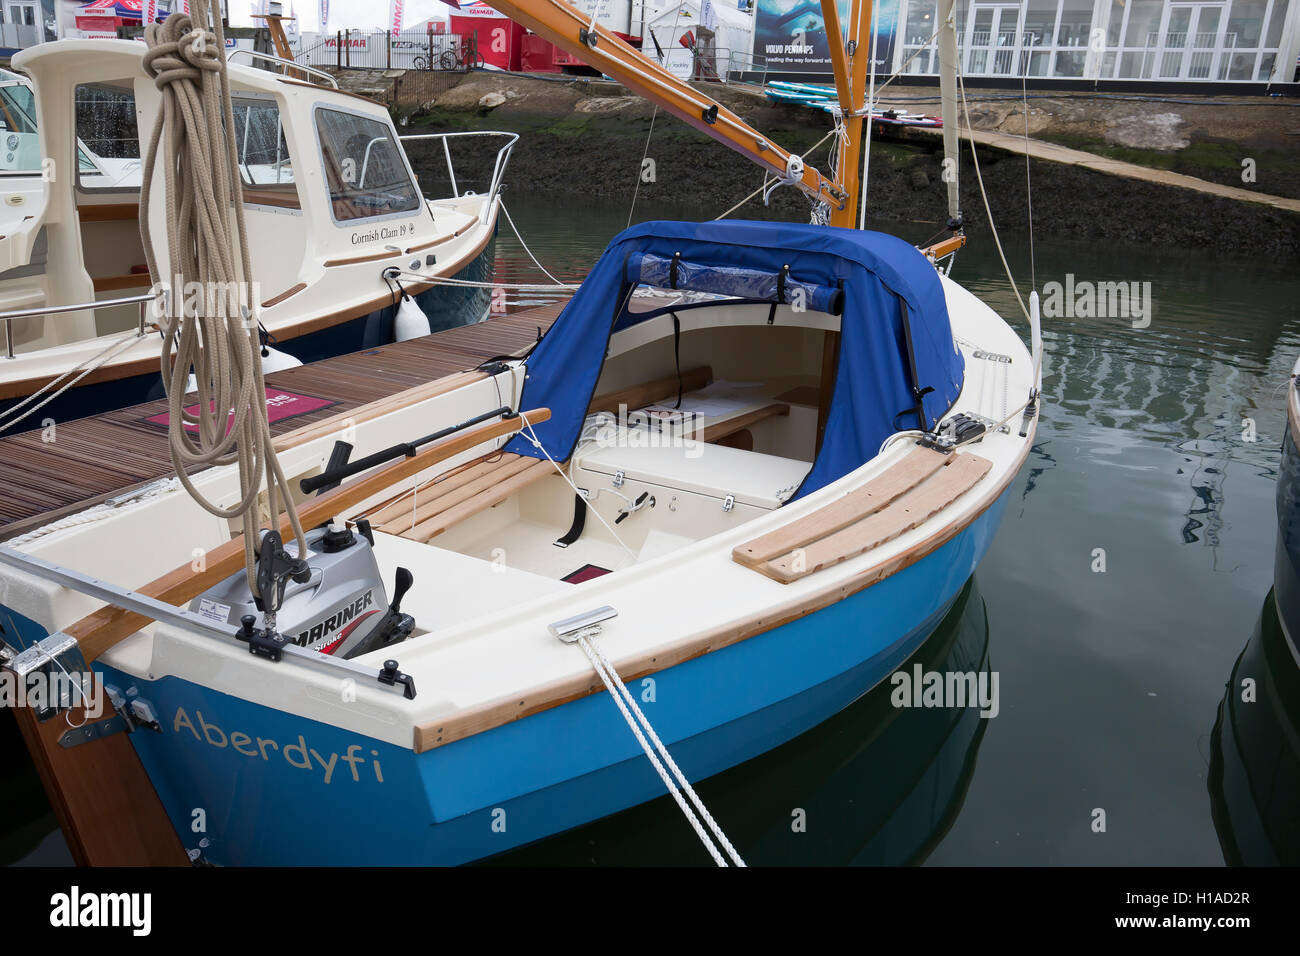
x,y
741,66
287,64
498,168
9,316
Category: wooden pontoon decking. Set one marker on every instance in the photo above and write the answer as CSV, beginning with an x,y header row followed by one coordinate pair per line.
x,y
94,458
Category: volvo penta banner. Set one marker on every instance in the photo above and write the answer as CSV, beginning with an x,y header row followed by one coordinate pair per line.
x,y
790,35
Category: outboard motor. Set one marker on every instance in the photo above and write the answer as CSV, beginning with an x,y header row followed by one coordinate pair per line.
x,y
333,601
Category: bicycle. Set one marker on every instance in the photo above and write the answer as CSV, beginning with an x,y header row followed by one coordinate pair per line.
x,y
465,59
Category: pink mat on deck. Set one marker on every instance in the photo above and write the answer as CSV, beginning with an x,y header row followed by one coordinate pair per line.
x,y
279,406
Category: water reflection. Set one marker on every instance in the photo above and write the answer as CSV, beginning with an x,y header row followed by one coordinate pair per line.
x,y
1255,752
876,784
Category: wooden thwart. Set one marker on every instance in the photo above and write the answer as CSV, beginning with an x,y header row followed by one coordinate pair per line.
x,y
912,491
647,393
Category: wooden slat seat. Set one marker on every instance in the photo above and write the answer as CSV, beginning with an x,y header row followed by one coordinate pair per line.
x,y
919,486
435,506
647,393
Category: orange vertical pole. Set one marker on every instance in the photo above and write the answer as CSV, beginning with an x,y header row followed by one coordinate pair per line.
x,y
855,65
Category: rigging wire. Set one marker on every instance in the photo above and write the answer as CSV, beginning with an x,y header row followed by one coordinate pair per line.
x,y
764,188
653,116
870,106
1029,191
997,241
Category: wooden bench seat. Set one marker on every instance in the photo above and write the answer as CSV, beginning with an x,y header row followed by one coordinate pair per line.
x,y
919,486
648,393
435,506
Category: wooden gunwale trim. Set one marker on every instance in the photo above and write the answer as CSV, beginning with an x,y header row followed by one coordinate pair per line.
x,y
430,244
370,257
114,371
476,720
286,294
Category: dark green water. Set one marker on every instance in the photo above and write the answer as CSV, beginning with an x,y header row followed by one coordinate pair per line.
x,y
1110,683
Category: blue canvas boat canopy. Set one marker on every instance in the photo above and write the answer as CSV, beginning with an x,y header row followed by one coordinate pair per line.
x,y
895,337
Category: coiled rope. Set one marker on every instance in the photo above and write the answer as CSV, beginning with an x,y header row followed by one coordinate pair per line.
x,y
215,333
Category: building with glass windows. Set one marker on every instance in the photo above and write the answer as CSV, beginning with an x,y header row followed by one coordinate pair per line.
x,y
1170,41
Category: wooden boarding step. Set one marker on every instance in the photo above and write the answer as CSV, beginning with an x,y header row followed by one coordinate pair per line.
x,y
435,506
922,484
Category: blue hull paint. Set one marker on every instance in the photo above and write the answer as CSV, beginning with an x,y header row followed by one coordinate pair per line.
x,y
251,780
258,775
446,306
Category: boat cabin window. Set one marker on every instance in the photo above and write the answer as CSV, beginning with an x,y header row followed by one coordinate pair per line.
x,y
365,170
108,155
263,153
20,148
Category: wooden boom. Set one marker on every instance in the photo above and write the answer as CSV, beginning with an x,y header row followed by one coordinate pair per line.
x,y
573,32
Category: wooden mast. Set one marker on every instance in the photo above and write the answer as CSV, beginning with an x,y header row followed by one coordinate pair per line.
x,y
849,60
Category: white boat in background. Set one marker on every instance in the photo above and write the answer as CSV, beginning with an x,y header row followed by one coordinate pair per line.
x,y
75,292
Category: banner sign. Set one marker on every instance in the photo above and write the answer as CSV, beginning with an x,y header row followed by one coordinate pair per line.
x,y
790,35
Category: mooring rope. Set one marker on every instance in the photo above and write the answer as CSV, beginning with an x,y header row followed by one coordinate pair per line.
x,y
520,237
215,334
115,348
659,757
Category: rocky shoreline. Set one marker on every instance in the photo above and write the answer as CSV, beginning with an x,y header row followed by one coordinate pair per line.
x,y
579,140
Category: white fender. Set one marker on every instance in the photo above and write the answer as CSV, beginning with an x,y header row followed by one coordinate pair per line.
x,y
411,322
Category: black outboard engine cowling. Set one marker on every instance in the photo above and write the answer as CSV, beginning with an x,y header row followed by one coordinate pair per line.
x,y
341,608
